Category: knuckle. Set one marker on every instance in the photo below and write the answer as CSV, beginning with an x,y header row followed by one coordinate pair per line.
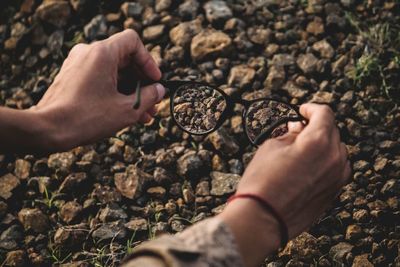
x,y
131,33
77,49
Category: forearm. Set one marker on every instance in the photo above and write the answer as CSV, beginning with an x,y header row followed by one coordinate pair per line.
x,y
23,131
256,232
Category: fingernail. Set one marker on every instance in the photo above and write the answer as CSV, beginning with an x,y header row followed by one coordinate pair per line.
x,y
160,91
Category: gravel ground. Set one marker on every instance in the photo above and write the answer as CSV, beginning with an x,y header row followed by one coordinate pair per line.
x,y
91,205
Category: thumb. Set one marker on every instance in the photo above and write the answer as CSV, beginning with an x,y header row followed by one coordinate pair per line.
x,y
149,96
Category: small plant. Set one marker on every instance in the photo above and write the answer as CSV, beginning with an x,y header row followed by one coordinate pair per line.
x,y
382,48
57,256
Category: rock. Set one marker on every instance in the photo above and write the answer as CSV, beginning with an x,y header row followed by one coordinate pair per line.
x,y
223,183
210,44
132,9
175,53
137,225
62,161
11,237
112,213
182,34
16,258
348,3
203,189
162,5
107,231
131,182
361,216
3,209
294,90
72,182
56,12
8,183
70,236
157,192
188,9
152,33
391,188
323,97
96,28
380,164
339,252
27,6
106,194
217,11
33,219
304,247
353,232
223,142
22,168
316,26
188,194
241,76
18,31
276,78
283,60
149,137
324,49
307,63
190,164
259,35
70,211
362,260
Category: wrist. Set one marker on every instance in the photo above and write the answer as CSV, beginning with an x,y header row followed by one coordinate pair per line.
x,y
255,230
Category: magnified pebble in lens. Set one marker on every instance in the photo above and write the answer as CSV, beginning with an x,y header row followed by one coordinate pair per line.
x,y
197,108
261,115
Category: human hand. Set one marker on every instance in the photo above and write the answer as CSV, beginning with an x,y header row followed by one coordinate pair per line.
x,y
299,174
84,105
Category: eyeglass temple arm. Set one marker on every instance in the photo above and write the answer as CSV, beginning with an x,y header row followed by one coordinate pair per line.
x,y
263,136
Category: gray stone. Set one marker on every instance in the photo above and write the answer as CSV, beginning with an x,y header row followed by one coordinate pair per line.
x,y
70,211
338,252
72,182
152,33
223,183
22,168
190,164
223,142
96,28
131,182
10,238
8,183
107,231
162,5
307,63
210,44
132,9
217,11
112,213
137,225
33,219
62,161
54,12
189,9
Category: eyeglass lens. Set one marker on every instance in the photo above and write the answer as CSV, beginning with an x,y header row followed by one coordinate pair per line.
x,y
264,114
197,108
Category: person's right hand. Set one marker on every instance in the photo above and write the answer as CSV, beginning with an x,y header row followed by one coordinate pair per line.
x,y
299,174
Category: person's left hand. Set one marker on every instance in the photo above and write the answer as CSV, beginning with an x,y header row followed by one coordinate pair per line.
x,y
84,105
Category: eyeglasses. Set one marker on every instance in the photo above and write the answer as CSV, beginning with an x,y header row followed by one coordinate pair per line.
x,y
199,109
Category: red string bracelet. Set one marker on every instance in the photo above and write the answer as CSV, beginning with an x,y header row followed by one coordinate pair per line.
x,y
282,225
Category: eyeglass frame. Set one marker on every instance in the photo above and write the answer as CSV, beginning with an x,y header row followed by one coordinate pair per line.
x,y
236,98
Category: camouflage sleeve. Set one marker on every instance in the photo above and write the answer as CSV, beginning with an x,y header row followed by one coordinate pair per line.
x,y
208,243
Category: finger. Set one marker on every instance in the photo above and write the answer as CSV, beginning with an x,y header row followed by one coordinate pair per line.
x,y
145,118
320,117
295,127
152,111
150,95
131,51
